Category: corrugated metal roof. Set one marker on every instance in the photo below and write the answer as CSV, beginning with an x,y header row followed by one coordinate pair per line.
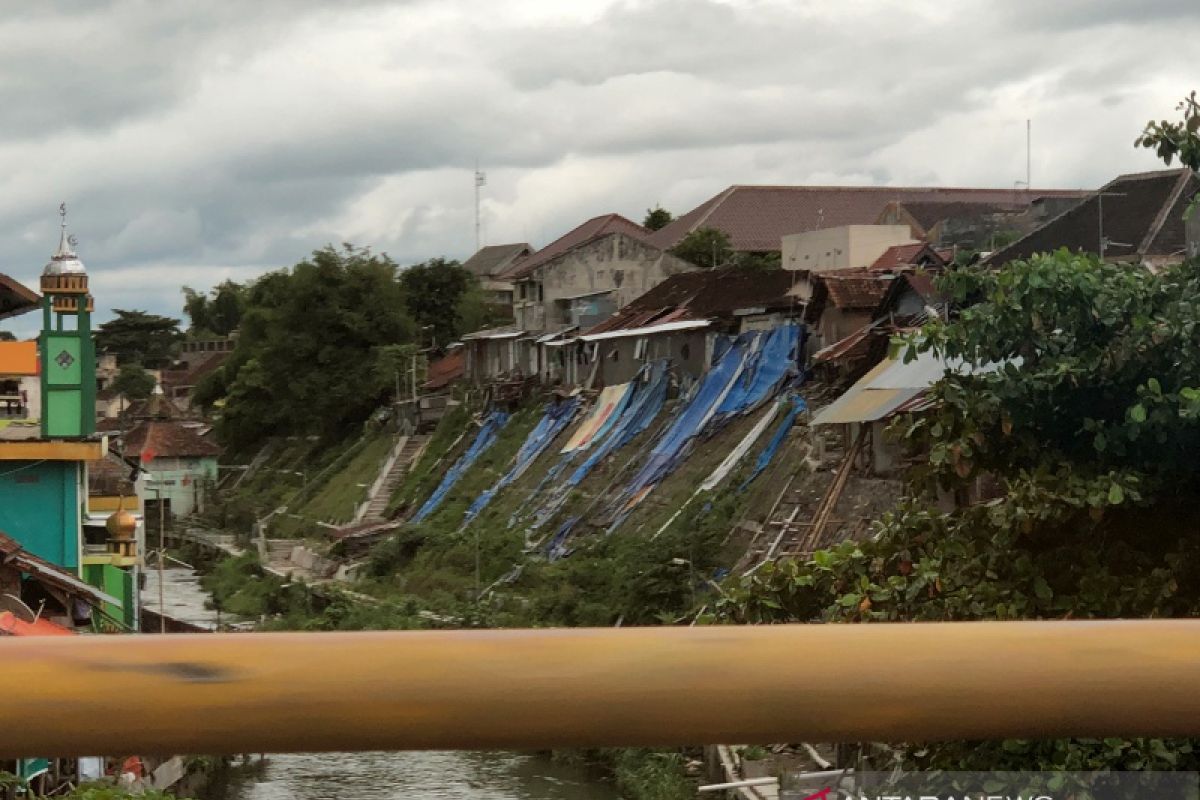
x,y
666,327
889,385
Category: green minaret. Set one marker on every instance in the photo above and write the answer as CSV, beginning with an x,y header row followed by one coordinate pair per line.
x,y
68,354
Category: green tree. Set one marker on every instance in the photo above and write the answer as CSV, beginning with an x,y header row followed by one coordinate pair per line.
x,y
304,360
7,336
133,382
657,218
434,290
139,337
217,313
1085,407
1171,140
706,247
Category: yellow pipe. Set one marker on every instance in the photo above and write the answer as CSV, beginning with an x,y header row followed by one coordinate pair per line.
x,y
525,689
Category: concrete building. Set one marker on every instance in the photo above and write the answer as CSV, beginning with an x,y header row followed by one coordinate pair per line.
x,y
587,274
490,264
844,247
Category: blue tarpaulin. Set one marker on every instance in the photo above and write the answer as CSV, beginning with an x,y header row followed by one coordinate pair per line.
x,y
770,365
750,372
557,416
764,458
484,439
642,406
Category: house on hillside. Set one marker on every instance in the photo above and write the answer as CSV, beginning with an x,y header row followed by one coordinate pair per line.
x,y
844,304
179,461
1136,218
490,264
492,354
588,273
678,319
756,218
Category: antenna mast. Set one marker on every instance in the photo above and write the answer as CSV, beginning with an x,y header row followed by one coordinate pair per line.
x,y
1028,151
480,181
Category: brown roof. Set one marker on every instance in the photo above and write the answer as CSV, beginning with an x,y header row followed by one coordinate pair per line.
x,y
592,229
705,294
756,218
856,292
14,298
445,370
167,439
495,258
109,477
903,255
929,213
11,553
1143,216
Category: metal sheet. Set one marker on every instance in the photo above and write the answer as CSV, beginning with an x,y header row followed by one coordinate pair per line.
x,y
535,689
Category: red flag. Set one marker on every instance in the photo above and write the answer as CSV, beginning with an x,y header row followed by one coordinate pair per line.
x,y
147,454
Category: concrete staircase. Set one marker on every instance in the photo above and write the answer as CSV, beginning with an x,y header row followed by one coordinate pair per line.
x,y
408,450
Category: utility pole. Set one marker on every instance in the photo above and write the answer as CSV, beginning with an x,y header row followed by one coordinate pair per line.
x,y
480,182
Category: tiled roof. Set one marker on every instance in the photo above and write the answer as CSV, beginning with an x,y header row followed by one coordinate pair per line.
x,y
593,228
210,363
495,258
928,213
14,298
108,477
1143,216
445,371
756,218
167,439
902,255
856,292
704,294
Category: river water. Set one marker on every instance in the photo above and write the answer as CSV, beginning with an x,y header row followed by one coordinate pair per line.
x,y
375,776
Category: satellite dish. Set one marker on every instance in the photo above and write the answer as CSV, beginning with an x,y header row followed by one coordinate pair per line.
x,y
10,602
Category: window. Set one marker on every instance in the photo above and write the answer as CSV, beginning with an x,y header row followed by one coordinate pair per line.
x,y
685,352
639,348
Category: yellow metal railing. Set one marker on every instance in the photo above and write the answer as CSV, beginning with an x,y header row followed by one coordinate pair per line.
x,y
524,689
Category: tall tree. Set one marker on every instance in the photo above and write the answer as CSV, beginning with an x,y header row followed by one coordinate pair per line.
x,y
657,218
305,358
139,337
217,313
434,290
133,382
706,247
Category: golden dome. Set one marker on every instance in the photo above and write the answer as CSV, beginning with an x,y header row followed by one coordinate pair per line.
x,y
121,525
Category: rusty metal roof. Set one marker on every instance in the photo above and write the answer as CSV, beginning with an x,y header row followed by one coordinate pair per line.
x,y
11,553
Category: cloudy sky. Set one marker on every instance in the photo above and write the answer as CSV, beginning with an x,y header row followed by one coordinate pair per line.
x,y
199,141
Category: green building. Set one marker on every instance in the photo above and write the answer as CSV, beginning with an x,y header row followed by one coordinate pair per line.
x,y
46,448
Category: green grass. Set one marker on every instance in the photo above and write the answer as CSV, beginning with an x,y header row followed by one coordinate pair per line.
x,y
342,490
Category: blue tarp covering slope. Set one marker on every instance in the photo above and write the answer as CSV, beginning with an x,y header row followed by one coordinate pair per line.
x,y
671,447
644,402
484,439
749,373
556,417
772,363
764,458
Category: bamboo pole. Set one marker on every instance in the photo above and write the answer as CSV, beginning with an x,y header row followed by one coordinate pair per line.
x,y
527,689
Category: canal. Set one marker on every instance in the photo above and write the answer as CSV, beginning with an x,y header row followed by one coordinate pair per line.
x,y
374,776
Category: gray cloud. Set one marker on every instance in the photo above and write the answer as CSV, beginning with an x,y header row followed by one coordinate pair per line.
x,y
195,143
